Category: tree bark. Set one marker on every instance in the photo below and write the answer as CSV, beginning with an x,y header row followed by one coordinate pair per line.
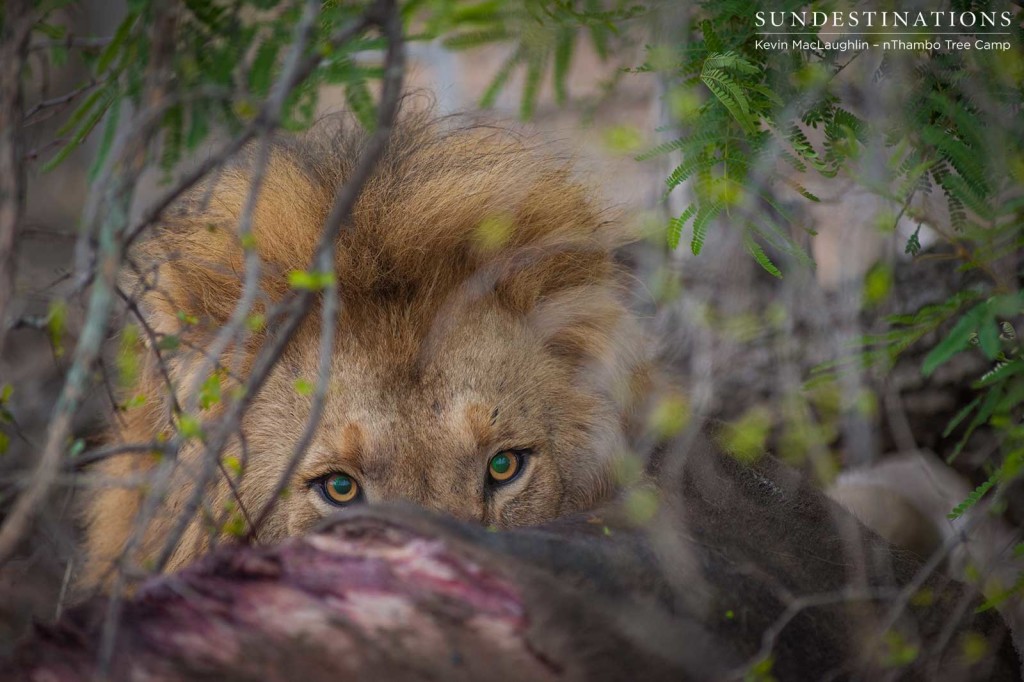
x,y
17,26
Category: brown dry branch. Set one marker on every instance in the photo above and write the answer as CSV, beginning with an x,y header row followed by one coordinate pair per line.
x,y
56,104
17,26
70,41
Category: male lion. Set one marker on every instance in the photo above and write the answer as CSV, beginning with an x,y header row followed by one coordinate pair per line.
x,y
485,363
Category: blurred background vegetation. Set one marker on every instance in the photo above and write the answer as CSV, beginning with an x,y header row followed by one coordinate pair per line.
x,y
832,260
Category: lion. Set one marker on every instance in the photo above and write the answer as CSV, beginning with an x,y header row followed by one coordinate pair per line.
x,y
487,364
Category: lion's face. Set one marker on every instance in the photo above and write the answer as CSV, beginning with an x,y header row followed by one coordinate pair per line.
x,y
483,422
484,361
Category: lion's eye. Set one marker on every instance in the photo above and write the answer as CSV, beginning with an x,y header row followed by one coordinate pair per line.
x,y
504,466
339,489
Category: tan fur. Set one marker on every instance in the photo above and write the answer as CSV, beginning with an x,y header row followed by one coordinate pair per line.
x,y
453,344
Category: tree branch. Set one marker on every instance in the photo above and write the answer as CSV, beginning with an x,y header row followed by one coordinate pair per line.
x,y
17,26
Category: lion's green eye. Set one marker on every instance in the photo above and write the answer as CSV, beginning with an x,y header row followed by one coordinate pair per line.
x,y
339,488
504,466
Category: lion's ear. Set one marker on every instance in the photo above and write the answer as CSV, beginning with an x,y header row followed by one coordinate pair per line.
x,y
590,328
192,270
190,277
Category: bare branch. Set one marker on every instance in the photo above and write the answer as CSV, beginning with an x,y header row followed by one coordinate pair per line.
x,y
100,454
18,21
90,43
57,103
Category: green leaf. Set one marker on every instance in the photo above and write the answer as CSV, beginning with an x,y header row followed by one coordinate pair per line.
x,y
189,427
77,448
310,280
106,141
988,336
113,48
499,81
104,101
676,225
80,112
199,125
210,391
732,62
55,322
186,319
1001,372
960,416
878,284
261,76
233,464
173,129
974,497
128,352
169,342
598,33
564,43
531,86
745,439
683,171
255,322
360,102
761,257
51,31
913,246
988,407
469,39
705,215
724,87
956,341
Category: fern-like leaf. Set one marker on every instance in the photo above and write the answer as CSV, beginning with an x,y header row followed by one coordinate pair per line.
x,y
761,257
974,498
705,215
726,90
676,226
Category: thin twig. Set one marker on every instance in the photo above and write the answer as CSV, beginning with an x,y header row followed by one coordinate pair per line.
x,y
911,588
154,344
795,607
70,41
64,583
57,103
35,153
100,454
